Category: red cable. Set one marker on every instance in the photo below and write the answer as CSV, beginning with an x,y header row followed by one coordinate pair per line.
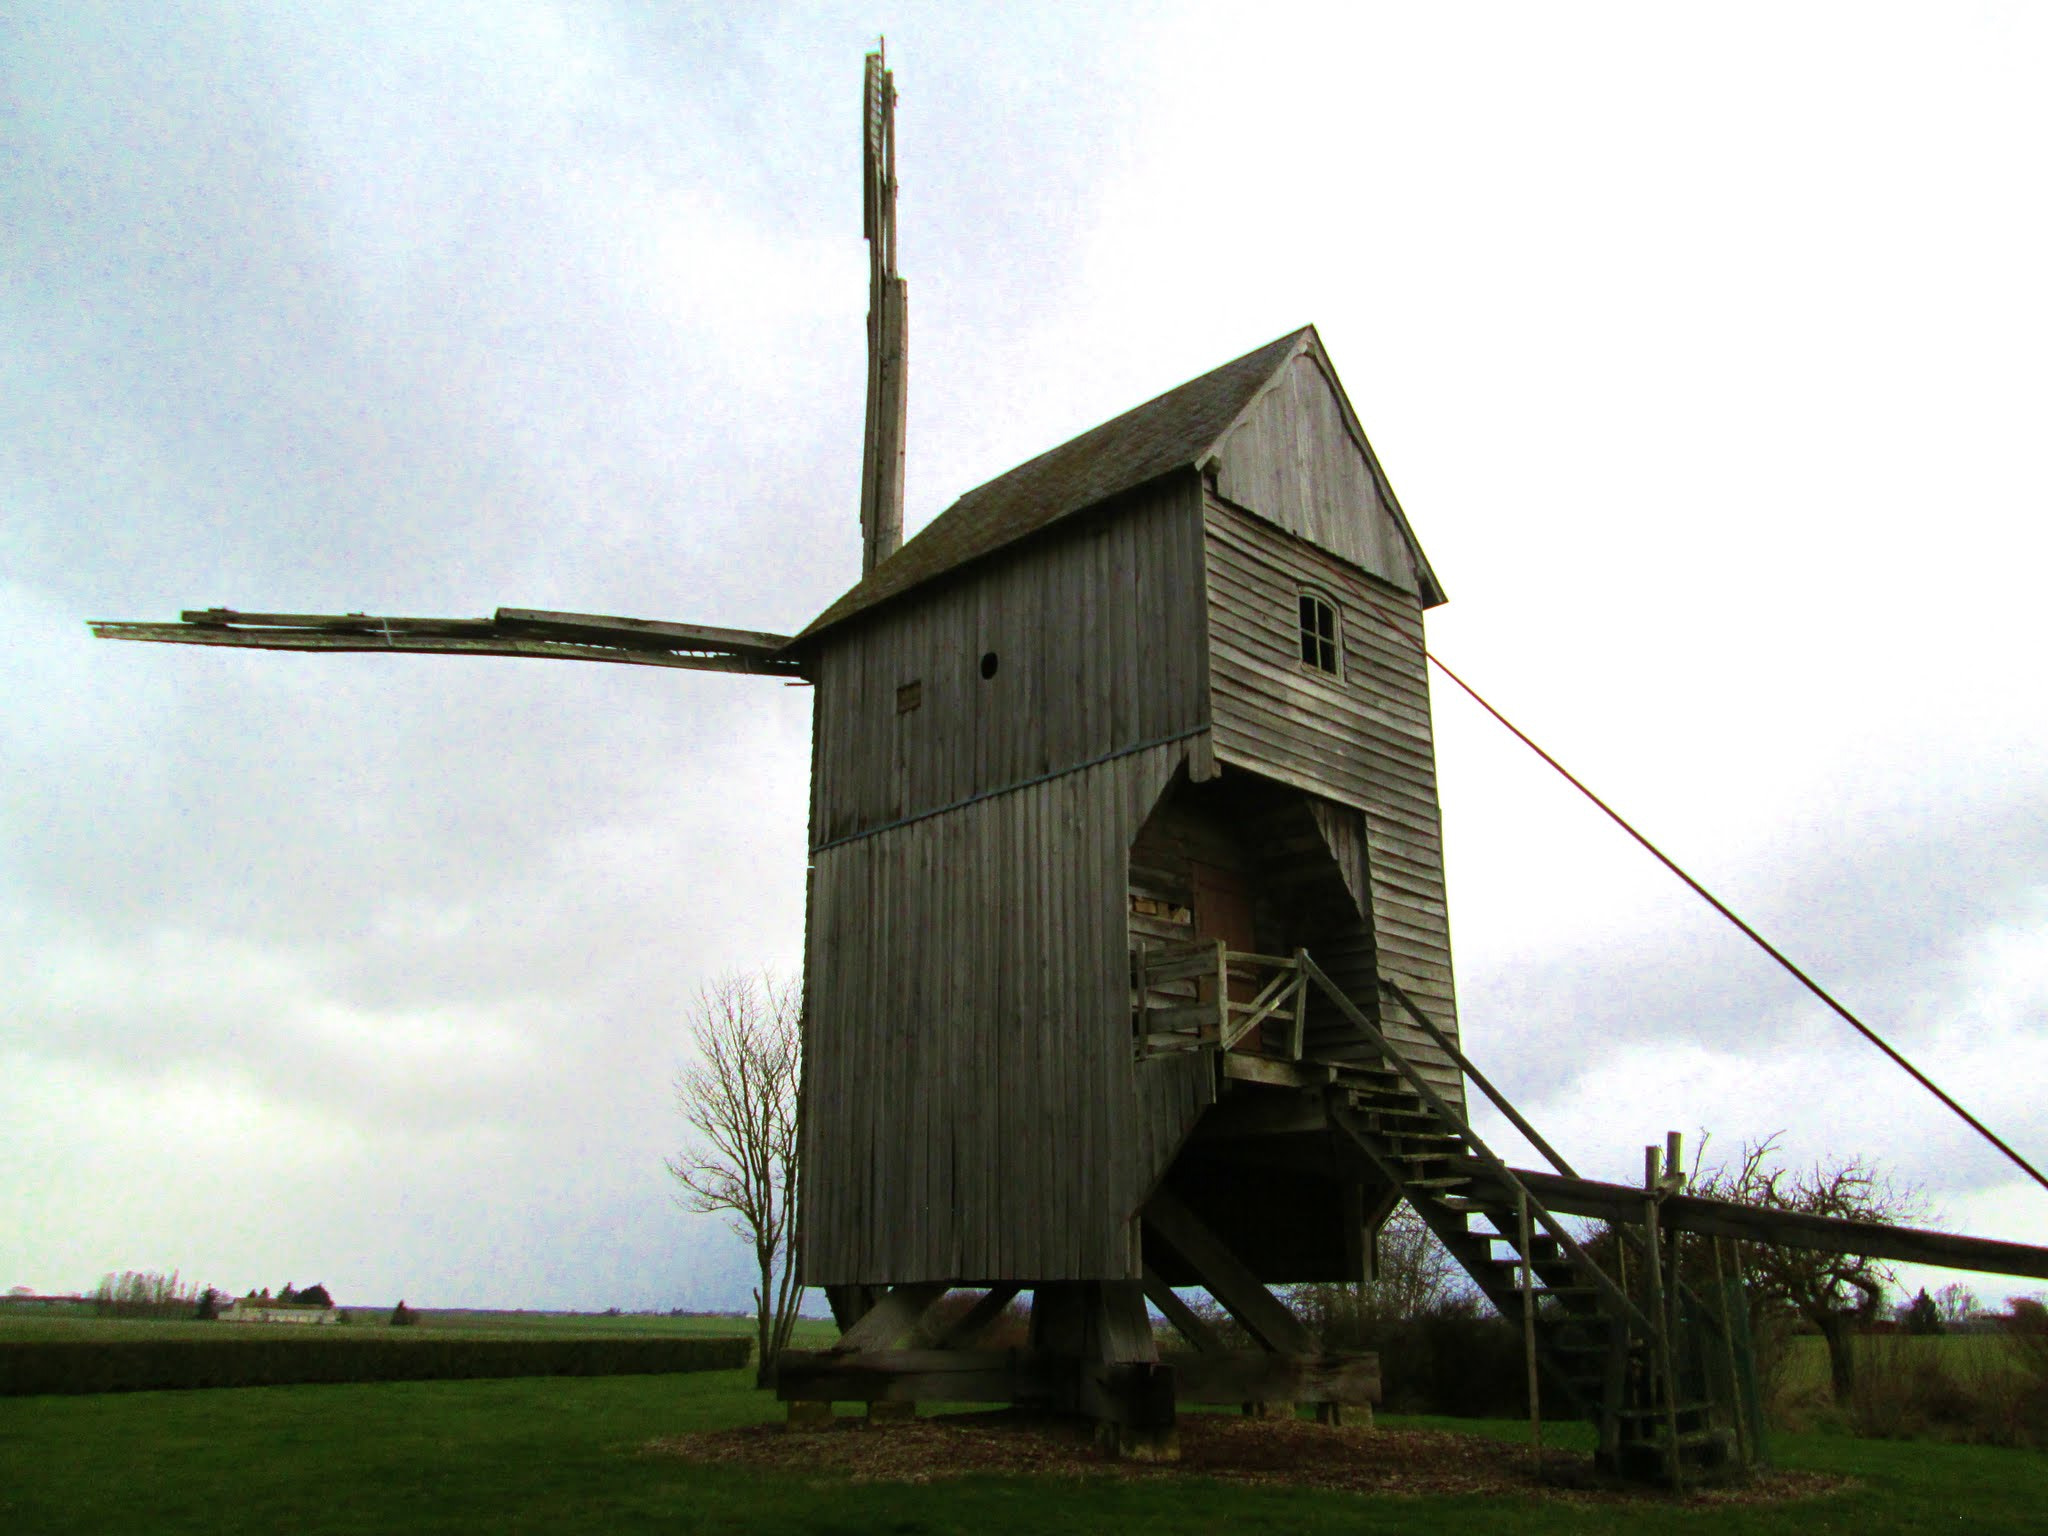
x,y
1722,907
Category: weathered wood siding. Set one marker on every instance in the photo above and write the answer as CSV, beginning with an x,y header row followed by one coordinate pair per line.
x,y
972,1108
1292,459
1350,956
1097,633
1361,739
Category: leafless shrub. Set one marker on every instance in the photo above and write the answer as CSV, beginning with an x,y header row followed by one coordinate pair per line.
x,y
1833,1292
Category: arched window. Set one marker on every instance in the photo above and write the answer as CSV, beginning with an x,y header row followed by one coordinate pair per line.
x,y
1322,637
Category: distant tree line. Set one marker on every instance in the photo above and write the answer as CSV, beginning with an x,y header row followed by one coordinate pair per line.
x,y
314,1295
140,1293
146,1293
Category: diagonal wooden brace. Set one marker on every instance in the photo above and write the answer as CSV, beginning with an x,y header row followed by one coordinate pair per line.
x,y
1227,1277
932,1332
1186,1321
889,1319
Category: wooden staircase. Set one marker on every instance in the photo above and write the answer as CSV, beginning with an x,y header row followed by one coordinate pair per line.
x,y
1634,1350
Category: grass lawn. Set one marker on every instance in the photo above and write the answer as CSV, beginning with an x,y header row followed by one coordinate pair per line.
x,y
31,1327
565,1455
1967,1354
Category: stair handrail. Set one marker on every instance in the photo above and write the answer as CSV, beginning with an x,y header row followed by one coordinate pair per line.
x,y
1500,1100
1233,1020
1481,1153
1623,1231
1285,986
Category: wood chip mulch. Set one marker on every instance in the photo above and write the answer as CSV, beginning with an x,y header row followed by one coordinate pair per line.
x,y
1282,1453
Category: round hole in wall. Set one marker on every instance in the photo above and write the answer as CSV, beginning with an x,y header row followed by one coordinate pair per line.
x,y
988,664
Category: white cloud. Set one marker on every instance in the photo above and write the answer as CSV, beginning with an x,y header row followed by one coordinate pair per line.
x,y
1701,351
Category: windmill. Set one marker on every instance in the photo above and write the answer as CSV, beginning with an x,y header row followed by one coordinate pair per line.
x,y
1127,961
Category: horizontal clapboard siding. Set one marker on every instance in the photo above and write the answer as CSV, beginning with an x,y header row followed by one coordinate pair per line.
x,y
1096,630
972,1108
1361,739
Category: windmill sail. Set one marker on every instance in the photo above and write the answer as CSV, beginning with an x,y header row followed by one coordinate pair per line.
x,y
881,483
508,632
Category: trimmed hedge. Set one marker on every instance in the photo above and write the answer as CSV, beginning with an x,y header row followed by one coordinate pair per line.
x,y
153,1365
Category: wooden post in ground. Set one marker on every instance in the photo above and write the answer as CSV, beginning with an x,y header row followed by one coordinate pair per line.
x,y
1743,1449
1661,1345
1524,1239
1101,1335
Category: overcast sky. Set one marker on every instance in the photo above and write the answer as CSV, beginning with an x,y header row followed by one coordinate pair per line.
x,y
1704,348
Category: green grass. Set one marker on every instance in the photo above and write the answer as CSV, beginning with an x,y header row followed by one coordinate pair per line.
x,y
1806,1360
30,1327
544,1456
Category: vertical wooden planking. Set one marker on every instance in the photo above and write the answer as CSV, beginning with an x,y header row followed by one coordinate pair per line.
x,y
1096,629
968,1004
1089,891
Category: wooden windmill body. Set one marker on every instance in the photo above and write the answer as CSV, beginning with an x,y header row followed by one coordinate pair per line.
x,y
1127,963
1080,713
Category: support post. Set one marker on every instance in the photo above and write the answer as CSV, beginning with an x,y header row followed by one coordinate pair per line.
x,y
1525,1241
1661,1340
1733,1372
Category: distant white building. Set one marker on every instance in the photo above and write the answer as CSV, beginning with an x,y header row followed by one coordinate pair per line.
x,y
261,1309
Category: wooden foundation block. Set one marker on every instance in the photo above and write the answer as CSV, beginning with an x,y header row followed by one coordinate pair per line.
x,y
1132,1442
886,1411
1345,1415
1269,1410
805,1416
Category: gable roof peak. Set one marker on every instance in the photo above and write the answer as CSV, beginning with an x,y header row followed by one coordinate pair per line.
x,y
1177,430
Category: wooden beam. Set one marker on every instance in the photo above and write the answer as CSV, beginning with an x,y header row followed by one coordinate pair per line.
x,y
339,623
1134,1394
417,642
1187,1322
1119,1328
971,1324
1227,1277
1789,1229
598,628
1372,1216
1257,1376
1274,1073
890,1318
606,629
850,1303
1255,1114
911,1375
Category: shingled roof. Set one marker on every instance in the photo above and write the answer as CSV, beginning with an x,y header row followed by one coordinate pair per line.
x,y
1171,432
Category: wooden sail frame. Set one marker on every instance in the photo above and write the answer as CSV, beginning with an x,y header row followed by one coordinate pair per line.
x,y
520,632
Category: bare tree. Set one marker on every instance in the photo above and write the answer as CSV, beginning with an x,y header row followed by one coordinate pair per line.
x,y
1957,1304
1832,1291
1415,1277
739,1098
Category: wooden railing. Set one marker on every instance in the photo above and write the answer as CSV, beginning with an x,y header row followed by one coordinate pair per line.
x,y
1205,995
